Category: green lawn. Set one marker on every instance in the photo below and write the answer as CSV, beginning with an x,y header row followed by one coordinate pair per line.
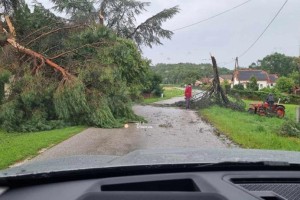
x,y
252,131
169,92
15,147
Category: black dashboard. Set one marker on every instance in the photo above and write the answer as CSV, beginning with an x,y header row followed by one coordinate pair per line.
x,y
204,185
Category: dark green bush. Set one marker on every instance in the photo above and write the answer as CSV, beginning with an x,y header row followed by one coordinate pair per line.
x,y
290,129
238,87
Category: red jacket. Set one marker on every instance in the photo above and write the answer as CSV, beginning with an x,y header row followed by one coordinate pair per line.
x,y
188,91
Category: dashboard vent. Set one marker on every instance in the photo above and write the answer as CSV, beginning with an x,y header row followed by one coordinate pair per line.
x,y
279,189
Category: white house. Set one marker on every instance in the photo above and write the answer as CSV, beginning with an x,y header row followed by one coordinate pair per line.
x,y
264,79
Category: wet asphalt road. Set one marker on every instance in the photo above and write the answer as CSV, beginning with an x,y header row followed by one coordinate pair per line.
x,y
167,127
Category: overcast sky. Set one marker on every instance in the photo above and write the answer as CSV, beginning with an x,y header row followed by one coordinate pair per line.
x,y
226,36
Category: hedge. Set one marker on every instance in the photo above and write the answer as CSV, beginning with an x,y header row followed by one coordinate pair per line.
x,y
261,96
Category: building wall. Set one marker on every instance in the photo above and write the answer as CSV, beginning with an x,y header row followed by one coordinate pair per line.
x,y
261,84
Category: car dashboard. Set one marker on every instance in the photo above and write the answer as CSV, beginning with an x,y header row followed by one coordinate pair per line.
x,y
204,185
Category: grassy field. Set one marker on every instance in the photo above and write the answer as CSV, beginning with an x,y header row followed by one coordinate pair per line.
x,y
169,92
252,131
15,147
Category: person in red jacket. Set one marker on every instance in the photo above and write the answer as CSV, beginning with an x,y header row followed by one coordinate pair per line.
x,y
188,95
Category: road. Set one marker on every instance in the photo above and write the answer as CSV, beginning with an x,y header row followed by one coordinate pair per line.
x,y
167,127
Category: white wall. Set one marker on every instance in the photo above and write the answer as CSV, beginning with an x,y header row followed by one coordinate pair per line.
x,y
261,84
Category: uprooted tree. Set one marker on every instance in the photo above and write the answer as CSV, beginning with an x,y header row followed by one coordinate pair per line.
x,y
65,71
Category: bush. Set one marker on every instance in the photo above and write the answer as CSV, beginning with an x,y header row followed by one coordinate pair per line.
x,y
290,129
238,87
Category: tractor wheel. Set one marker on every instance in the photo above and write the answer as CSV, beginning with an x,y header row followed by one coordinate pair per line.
x,y
280,112
251,111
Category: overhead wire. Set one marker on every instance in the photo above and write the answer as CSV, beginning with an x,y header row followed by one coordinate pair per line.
x,y
214,16
258,38
273,19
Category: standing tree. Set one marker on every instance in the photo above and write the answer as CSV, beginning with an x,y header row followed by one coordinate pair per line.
x,y
252,85
284,84
279,64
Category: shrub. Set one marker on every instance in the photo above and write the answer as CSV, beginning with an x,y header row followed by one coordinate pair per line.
x,y
238,87
290,129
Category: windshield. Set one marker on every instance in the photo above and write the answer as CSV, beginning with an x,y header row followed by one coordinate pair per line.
x,y
101,79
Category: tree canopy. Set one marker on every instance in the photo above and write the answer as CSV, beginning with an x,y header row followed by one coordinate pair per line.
x,y
279,64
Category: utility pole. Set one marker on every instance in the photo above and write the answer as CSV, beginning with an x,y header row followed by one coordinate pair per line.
x,y
236,64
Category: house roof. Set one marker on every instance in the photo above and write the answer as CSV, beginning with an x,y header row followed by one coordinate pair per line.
x,y
273,77
245,75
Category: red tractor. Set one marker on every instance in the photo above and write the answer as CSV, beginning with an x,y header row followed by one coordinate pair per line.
x,y
263,109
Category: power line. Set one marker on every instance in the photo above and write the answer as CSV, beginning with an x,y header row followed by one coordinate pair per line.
x,y
248,49
209,18
278,12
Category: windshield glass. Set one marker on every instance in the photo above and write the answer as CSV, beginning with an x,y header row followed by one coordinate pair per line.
x,y
95,80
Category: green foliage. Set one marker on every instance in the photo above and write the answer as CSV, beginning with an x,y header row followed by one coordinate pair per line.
x,y
9,5
108,71
296,77
153,86
150,32
4,78
252,85
262,95
290,129
29,108
120,16
279,64
239,87
70,101
101,94
285,84
184,73
226,86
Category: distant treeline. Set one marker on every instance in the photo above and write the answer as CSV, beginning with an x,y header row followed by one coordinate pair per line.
x,y
183,73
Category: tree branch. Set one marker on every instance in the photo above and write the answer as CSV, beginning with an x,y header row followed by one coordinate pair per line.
x,y
70,51
65,73
50,32
39,30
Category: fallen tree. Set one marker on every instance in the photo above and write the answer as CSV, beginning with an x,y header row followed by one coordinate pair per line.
x,y
215,95
106,72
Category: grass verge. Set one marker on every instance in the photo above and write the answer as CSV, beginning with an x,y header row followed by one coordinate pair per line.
x,y
169,92
15,147
252,131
